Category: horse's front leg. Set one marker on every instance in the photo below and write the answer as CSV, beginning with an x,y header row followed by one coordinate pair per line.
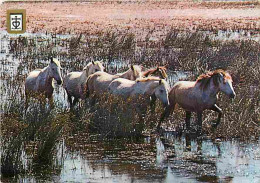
x,y
26,102
69,99
187,120
152,103
199,116
75,101
92,100
168,110
51,102
219,110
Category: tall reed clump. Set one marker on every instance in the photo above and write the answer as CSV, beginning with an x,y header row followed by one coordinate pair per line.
x,y
37,128
242,117
113,117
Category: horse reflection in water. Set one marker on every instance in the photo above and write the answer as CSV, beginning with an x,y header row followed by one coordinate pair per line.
x,y
39,83
195,156
196,96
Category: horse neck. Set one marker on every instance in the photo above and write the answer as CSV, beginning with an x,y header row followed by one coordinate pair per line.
x,y
126,74
147,73
45,73
84,74
149,87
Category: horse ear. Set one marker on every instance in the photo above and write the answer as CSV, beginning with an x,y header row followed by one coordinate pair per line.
x,y
160,82
93,62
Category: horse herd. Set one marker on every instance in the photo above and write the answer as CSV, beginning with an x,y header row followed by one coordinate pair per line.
x,y
93,82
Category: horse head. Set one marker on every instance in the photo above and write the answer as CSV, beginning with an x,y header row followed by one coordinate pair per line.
x,y
221,80
55,70
161,91
225,84
93,66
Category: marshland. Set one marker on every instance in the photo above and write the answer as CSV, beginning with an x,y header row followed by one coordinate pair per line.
x,y
108,142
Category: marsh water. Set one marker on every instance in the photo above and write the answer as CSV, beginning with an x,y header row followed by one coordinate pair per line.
x,y
165,158
168,158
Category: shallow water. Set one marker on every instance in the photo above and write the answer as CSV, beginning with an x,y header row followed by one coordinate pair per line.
x,y
157,159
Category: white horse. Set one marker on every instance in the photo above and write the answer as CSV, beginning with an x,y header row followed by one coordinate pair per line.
x,y
144,87
97,83
74,82
40,82
196,96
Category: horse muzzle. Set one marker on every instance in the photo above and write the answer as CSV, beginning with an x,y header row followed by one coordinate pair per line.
x,y
232,96
59,82
166,104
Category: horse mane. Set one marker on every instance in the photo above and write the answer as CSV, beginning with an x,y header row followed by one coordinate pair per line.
x,y
151,71
204,79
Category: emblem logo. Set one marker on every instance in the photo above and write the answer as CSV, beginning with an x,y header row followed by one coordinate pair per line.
x,y
16,21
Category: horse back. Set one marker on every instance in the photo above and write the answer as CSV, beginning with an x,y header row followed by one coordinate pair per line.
x,y
190,97
71,79
183,94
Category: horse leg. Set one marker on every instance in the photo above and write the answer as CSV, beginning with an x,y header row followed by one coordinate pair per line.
x,y
70,100
75,101
199,116
187,120
152,103
219,110
26,102
92,100
168,110
51,102
141,111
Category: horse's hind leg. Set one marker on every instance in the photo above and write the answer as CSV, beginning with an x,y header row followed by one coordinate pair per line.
x,y
51,102
187,120
199,116
219,110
